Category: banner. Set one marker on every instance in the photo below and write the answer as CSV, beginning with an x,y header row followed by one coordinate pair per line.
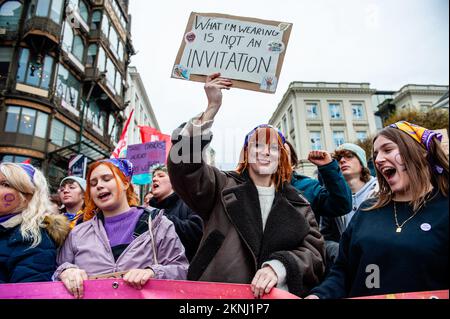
x,y
143,156
77,166
153,289
151,134
247,50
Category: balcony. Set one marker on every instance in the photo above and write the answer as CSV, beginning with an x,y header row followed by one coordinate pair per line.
x,y
42,30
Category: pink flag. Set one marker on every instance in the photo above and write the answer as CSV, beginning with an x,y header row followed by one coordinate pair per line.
x,y
122,145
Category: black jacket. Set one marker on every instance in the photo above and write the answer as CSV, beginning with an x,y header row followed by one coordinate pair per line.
x,y
188,225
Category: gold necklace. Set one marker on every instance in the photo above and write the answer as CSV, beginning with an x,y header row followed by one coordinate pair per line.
x,y
399,227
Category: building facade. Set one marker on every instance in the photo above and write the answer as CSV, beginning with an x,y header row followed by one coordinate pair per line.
x,y
63,80
413,97
140,103
322,116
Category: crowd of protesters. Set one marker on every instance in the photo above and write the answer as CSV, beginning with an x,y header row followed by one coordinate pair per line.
x,y
262,224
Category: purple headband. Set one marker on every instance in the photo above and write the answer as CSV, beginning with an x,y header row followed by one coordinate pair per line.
x,y
124,165
249,135
29,169
422,136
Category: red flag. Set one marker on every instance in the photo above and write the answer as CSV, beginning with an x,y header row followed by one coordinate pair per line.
x,y
27,161
151,134
121,146
148,134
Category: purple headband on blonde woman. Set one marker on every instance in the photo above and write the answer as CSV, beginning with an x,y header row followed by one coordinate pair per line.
x,y
124,165
29,169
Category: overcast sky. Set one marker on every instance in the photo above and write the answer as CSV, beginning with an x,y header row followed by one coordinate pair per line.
x,y
387,43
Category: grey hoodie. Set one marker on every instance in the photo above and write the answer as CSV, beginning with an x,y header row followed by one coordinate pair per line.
x,y
368,191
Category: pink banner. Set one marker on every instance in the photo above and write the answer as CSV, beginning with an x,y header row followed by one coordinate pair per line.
x,y
440,294
154,289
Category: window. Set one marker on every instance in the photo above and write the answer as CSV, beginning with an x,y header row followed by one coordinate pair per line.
x,y
105,25
425,106
91,54
312,111
338,138
12,118
78,48
110,72
118,13
26,121
10,13
67,38
112,128
84,11
358,111
115,44
285,126
35,70
96,116
73,44
6,54
96,20
41,125
67,88
291,119
42,8
101,63
118,85
62,135
47,8
315,138
335,111
361,135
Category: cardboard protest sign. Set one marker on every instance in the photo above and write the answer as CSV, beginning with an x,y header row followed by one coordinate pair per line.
x,y
144,156
247,50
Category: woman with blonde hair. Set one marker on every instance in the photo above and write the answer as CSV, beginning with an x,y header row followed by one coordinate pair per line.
x,y
397,242
116,236
258,229
30,232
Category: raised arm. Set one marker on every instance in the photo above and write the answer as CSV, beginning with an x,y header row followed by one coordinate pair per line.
x,y
193,180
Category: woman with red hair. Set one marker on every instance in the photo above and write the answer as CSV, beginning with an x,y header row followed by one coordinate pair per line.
x,y
117,236
258,229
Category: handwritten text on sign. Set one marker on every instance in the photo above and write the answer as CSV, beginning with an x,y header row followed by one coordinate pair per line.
x,y
143,156
240,49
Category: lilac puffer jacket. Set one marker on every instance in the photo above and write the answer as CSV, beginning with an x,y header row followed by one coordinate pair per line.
x,y
87,247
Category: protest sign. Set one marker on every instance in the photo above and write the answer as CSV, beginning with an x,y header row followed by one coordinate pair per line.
x,y
77,166
143,156
247,50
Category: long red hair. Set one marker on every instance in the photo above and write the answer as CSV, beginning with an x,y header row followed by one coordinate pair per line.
x,y
90,207
284,169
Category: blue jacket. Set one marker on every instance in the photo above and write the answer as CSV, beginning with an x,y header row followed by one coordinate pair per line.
x,y
19,262
331,200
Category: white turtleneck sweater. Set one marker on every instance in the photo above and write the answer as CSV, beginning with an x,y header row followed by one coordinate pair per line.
x,y
266,196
